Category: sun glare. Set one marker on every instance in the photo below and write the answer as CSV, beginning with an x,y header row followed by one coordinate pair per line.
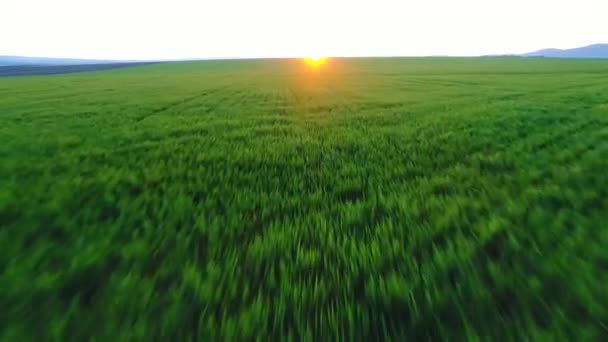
x,y
315,60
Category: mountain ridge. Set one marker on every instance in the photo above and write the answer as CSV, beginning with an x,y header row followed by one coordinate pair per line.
x,y
6,60
589,51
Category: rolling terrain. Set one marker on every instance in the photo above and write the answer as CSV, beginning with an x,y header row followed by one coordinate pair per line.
x,y
365,199
31,70
590,51
49,61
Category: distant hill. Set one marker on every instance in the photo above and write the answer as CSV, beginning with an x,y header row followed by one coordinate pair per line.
x,y
591,51
19,60
30,70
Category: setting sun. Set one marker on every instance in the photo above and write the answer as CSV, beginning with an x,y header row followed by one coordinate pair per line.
x,y
315,60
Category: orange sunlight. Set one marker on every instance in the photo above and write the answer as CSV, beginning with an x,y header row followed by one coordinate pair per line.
x,y
315,60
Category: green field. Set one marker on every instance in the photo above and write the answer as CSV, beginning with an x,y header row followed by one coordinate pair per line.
x,y
439,198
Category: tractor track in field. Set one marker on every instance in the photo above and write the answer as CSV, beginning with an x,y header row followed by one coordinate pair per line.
x,y
172,105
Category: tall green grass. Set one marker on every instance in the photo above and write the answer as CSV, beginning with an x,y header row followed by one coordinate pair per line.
x,y
367,199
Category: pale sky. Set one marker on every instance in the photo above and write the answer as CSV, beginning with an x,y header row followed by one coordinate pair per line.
x,y
173,29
